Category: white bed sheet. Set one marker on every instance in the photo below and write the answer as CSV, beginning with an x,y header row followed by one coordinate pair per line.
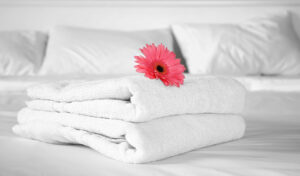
x,y
252,83
271,83
271,145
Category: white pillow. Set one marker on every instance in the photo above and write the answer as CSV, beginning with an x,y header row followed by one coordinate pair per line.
x,y
266,45
90,51
21,52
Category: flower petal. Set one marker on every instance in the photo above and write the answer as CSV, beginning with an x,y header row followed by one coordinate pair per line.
x,y
172,74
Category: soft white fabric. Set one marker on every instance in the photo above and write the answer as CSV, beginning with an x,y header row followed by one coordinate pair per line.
x,y
21,52
138,99
269,146
75,50
131,142
266,45
270,83
251,83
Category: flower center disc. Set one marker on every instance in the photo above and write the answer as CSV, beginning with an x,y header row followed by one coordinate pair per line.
x,y
160,68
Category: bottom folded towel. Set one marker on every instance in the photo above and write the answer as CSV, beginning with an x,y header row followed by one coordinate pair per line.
x,y
131,142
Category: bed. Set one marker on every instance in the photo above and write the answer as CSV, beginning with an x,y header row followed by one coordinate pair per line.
x,y
271,145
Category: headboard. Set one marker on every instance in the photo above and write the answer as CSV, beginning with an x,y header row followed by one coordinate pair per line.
x,y
131,14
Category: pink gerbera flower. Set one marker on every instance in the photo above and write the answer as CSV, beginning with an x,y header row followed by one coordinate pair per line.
x,y
160,63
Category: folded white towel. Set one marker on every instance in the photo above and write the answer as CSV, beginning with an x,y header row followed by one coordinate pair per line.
x,y
140,99
127,141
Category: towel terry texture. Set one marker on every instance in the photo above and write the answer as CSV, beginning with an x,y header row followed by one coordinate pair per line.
x,y
134,119
131,142
138,99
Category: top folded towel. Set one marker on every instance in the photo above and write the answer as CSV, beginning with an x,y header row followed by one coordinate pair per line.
x,y
138,99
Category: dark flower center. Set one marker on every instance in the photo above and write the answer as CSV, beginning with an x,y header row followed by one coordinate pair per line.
x,y
160,68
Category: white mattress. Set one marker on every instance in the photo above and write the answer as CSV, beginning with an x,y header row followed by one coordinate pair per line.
x,y
271,145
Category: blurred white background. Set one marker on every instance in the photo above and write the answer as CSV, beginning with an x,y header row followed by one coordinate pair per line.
x,y
131,14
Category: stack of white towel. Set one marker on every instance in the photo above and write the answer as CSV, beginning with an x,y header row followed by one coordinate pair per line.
x,y
135,119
